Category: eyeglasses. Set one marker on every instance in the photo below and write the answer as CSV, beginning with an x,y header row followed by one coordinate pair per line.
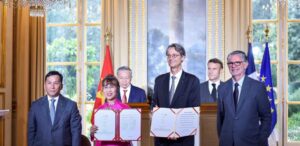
x,y
173,55
237,63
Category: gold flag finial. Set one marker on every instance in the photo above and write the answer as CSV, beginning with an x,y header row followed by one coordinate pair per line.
x,y
107,36
267,32
248,33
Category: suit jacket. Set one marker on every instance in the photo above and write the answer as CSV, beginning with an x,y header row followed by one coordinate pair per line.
x,y
187,94
136,95
205,96
66,129
241,127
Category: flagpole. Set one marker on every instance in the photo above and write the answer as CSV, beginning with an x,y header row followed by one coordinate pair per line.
x,y
107,36
248,33
267,33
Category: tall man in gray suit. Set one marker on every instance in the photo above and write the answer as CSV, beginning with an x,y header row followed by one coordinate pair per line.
x,y
244,113
209,88
176,89
54,120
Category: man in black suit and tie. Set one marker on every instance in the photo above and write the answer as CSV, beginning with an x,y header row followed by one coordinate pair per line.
x,y
129,93
54,120
209,89
176,89
244,113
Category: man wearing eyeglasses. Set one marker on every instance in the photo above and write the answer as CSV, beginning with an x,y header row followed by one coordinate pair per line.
x,y
244,115
176,89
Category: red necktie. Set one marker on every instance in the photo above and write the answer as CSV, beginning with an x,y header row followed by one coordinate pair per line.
x,y
124,97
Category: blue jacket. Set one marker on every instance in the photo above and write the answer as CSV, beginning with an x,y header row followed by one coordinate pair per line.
x,y
66,130
136,95
250,124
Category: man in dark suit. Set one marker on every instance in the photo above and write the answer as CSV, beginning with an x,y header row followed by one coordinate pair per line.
x,y
176,89
129,93
209,88
54,119
244,113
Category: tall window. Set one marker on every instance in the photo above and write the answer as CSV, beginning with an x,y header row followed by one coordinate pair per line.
x,y
283,19
293,63
74,49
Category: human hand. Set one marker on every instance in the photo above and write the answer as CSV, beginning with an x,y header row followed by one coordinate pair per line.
x,y
154,109
93,129
173,137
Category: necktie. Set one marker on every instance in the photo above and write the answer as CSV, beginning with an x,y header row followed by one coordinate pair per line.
x,y
124,97
236,94
52,110
172,90
214,92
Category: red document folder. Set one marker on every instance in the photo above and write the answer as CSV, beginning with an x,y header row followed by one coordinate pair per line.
x,y
121,125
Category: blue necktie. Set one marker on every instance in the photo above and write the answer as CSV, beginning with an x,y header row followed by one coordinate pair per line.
x,y
52,110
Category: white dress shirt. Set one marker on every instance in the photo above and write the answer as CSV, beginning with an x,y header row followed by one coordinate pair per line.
x,y
55,102
178,75
127,92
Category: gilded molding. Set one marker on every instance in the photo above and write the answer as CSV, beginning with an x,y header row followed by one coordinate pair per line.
x,y
138,40
2,100
2,48
215,29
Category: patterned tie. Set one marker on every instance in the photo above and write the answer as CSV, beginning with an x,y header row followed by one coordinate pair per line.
x,y
214,92
236,94
52,110
172,90
124,97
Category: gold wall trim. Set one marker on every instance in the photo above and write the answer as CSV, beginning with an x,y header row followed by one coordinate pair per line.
x,y
2,121
2,100
138,41
2,47
215,30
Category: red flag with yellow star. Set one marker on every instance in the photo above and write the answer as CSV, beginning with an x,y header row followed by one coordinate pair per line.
x,y
106,70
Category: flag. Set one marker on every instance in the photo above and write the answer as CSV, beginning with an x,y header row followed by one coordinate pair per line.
x,y
266,78
106,70
251,72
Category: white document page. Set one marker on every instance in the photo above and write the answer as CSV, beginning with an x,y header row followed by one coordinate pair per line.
x,y
130,124
162,123
187,121
105,121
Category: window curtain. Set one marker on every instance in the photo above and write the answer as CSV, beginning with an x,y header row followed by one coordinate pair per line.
x,y
115,19
29,44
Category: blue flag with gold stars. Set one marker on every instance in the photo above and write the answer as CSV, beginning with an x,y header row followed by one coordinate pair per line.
x,y
266,78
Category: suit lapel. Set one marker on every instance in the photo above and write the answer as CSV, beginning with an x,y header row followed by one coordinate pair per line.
x,y
179,88
45,110
208,95
61,105
165,91
246,89
131,94
230,96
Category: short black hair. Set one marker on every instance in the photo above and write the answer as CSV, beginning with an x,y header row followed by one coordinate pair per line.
x,y
216,60
179,48
110,80
54,73
242,54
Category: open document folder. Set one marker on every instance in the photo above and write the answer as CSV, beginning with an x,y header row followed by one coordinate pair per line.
x,y
171,122
121,125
